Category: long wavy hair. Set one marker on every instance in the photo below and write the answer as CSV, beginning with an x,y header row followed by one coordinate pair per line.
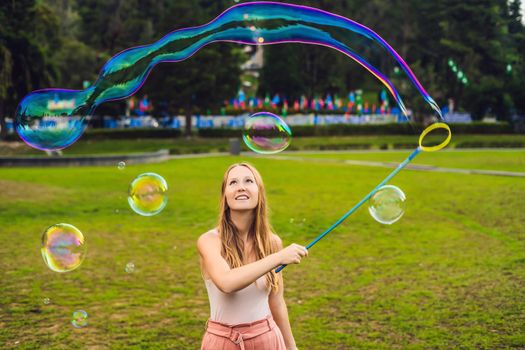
x,y
260,231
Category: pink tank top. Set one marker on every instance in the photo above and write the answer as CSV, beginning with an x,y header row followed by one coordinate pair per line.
x,y
246,305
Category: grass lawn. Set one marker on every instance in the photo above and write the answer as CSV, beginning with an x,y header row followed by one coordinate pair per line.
x,y
449,274
501,160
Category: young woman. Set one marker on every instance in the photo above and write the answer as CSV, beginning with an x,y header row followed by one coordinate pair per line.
x,y
237,260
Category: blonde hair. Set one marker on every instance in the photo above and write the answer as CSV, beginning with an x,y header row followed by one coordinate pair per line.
x,y
232,246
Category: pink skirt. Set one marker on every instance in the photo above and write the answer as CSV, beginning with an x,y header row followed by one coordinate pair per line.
x,y
259,335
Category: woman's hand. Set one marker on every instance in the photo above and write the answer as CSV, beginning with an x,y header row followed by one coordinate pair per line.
x,y
292,254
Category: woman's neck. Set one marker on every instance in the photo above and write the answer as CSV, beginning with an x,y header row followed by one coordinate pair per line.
x,y
243,221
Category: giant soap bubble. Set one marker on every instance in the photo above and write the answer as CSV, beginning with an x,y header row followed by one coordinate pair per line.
x,y
52,119
63,247
44,125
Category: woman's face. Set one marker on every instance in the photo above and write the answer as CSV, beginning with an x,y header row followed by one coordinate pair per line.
x,y
241,190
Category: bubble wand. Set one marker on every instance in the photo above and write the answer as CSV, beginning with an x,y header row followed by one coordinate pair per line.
x,y
388,178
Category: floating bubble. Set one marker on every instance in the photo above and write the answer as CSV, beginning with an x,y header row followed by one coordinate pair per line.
x,y
130,267
47,301
266,133
147,194
121,165
79,319
387,205
63,247
52,119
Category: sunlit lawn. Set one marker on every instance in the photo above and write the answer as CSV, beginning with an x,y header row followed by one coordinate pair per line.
x,y
449,274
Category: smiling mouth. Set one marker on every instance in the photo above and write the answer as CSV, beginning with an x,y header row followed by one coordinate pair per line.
x,y
241,198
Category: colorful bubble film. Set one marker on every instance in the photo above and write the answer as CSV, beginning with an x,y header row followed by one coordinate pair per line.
x,y
55,118
79,319
51,119
266,133
387,205
63,247
147,194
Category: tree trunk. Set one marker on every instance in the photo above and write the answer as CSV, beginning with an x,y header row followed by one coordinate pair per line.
x,y
3,126
187,131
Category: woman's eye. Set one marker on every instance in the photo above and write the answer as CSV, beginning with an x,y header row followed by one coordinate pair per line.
x,y
249,180
232,182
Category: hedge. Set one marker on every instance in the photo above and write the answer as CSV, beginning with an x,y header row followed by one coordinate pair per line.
x,y
371,129
297,131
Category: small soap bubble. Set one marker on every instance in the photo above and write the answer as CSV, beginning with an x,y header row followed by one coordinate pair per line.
x,y
147,194
63,247
387,205
130,267
121,165
266,133
79,319
47,301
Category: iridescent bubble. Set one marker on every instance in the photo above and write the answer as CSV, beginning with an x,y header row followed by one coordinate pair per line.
x,y
121,165
47,301
52,119
147,194
387,205
130,267
79,319
63,247
266,133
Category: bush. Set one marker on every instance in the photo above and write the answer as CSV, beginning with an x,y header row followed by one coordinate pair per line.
x,y
226,133
297,131
482,128
102,134
370,129
490,144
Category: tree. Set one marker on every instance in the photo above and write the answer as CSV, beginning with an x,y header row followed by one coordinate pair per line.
x,y
25,52
200,82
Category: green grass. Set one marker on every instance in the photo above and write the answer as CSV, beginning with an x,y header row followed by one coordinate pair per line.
x,y
449,274
203,145
500,160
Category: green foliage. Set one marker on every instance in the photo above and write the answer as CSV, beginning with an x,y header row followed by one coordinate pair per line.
x,y
482,37
62,43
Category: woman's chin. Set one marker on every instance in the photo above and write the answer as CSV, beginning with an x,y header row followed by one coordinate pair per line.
x,y
242,207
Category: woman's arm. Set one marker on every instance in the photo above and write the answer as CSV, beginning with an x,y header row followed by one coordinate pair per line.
x,y
280,311
230,280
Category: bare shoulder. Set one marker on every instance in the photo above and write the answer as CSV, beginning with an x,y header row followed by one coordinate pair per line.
x,y
208,239
276,240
